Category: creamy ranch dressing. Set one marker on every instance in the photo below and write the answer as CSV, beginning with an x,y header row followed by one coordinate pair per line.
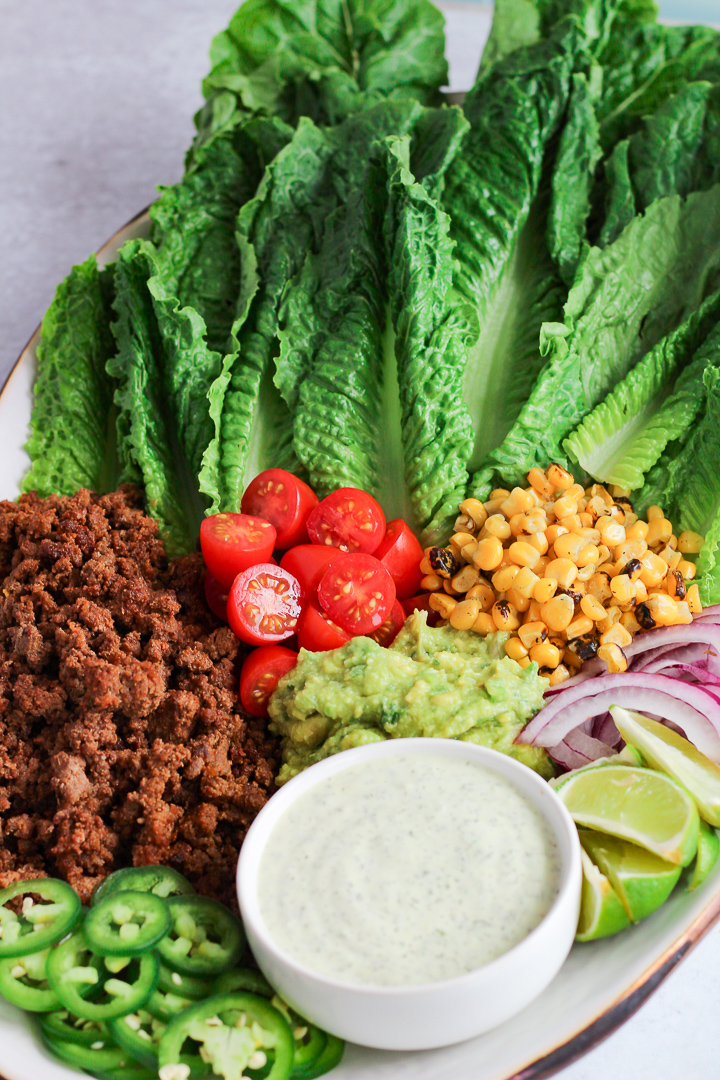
x,y
407,869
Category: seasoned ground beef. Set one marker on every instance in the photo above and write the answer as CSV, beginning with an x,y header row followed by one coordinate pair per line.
x,y
121,738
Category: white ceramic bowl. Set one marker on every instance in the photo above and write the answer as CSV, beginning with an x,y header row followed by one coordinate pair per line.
x,y
419,1017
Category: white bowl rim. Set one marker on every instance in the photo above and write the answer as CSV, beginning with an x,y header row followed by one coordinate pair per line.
x,y
541,794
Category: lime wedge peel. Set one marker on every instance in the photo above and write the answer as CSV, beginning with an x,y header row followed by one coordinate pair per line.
x,y
664,749
644,807
601,911
641,880
707,853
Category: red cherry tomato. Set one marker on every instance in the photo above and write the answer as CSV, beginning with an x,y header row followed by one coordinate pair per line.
x,y
389,630
260,674
264,604
232,542
216,596
400,553
316,631
348,519
421,603
308,563
284,500
357,593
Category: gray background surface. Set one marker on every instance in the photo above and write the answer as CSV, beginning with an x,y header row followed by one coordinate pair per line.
x,y
96,104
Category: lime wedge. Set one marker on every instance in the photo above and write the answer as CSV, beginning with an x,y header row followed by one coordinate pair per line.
x,y
707,852
666,750
642,880
639,805
601,911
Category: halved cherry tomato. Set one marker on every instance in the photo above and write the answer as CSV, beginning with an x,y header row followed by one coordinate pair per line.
x,y
348,519
308,563
216,596
284,500
357,593
232,542
264,604
317,632
400,553
421,603
389,630
260,674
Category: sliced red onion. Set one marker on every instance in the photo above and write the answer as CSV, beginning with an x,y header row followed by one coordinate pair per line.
x,y
708,614
606,731
702,657
687,705
578,749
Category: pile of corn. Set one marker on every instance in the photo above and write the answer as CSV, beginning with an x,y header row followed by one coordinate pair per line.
x,y
571,572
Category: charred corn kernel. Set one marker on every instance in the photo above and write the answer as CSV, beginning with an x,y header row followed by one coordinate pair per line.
x,y
662,608
544,589
588,554
690,542
540,483
684,614
465,579
535,521
560,674
693,599
572,522
475,510
602,491
616,635
469,550
592,607
557,613
533,633
496,525
559,478
596,507
631,549
641,592
579,626
503,579
524,582
489,554
613,615
464,614
569,547
515,649
523,554
622,589
659,532
571,660
564,507
522,603
517,502
653,571
604,554
538,540
431,582
633,568
553,531
687,569
483,593
425,567
546,655
675,584
653,513
617,513
638,531
443,604
484,624
586,572
619,492
630,623
614,658
533,613
505,615
563,571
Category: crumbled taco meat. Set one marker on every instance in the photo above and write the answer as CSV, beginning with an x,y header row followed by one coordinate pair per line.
x,y
122,741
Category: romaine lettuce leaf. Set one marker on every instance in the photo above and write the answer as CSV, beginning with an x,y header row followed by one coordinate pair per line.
x,y
72,437
626,297
655,403
149,450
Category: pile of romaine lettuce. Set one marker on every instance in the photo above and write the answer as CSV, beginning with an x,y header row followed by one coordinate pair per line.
x,y
364,284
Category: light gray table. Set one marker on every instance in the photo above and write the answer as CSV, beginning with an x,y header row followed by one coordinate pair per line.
x,y
96,101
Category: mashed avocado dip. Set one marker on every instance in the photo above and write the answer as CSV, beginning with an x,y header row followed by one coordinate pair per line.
x,y
442,683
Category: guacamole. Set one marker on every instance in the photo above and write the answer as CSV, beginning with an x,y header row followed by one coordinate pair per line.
x,y
442,683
